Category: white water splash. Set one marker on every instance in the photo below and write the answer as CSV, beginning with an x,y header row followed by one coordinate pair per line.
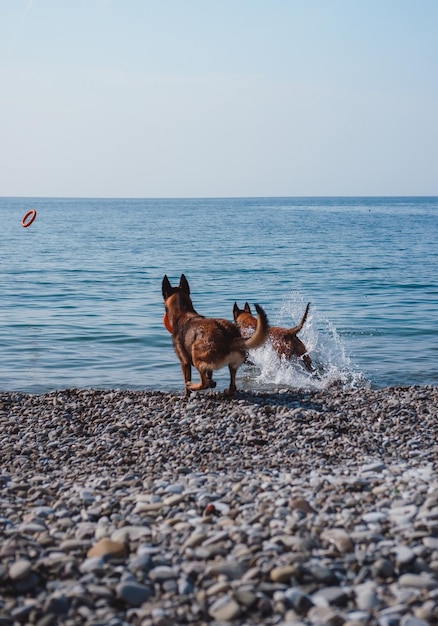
x,y
328,352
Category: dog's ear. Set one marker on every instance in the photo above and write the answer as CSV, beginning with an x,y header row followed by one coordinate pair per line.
x,y
247,308
166,287
236,311
183,283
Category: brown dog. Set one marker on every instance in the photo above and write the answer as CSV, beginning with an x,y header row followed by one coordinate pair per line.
x,y
206,343
284,340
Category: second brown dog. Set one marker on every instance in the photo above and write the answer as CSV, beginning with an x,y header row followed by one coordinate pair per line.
x,y
284,340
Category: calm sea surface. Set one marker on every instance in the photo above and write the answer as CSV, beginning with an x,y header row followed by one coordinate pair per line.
x,y
81,302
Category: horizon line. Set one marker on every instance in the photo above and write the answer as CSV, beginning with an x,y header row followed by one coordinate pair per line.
x,y
93,197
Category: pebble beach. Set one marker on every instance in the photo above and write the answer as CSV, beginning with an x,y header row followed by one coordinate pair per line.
x,y
281,508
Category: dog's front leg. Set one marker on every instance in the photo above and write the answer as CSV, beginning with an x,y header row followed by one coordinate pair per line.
x,y
187,376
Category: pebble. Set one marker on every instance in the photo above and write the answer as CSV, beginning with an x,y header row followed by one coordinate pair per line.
x,y
366,596
224,609
162,573
107,547
133,593
296,508
20,569
339,538
418,581
283,573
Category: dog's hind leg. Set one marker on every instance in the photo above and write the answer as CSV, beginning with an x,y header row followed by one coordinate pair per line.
x,y
299,349
206,380
308,362
211,382
232,388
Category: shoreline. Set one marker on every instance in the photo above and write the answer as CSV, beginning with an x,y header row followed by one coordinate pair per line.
x,y
145,507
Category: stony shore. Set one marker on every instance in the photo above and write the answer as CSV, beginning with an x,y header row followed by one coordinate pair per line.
x,y
146,508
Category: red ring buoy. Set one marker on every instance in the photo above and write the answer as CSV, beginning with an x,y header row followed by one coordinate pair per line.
x,y
28,218
166,323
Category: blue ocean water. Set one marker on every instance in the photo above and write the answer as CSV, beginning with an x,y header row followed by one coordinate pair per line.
x,y
81,287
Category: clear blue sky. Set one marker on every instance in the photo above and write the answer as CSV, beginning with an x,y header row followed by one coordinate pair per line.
x,y
196,98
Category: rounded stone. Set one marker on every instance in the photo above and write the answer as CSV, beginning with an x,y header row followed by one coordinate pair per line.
x,y
133,593
20,569
224,609
107,547
283,573
418,581
162,573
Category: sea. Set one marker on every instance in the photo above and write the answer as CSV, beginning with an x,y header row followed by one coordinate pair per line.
x,y
81,301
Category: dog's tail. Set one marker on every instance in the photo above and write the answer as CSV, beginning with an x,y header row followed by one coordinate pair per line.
x,y
260,334
296,329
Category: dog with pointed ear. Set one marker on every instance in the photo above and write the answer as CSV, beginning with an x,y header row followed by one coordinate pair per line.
x,y
206,343
284,340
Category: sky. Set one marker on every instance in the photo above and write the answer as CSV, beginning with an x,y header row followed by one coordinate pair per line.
x,y
218,98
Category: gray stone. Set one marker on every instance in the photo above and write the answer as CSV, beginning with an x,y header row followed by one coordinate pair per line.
x,y
382,568
366,596
231,569
133,593
57,604
418,581
93,564
298,600
333,595
404,555
410,620
224,609
161,573
20,569
131,533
